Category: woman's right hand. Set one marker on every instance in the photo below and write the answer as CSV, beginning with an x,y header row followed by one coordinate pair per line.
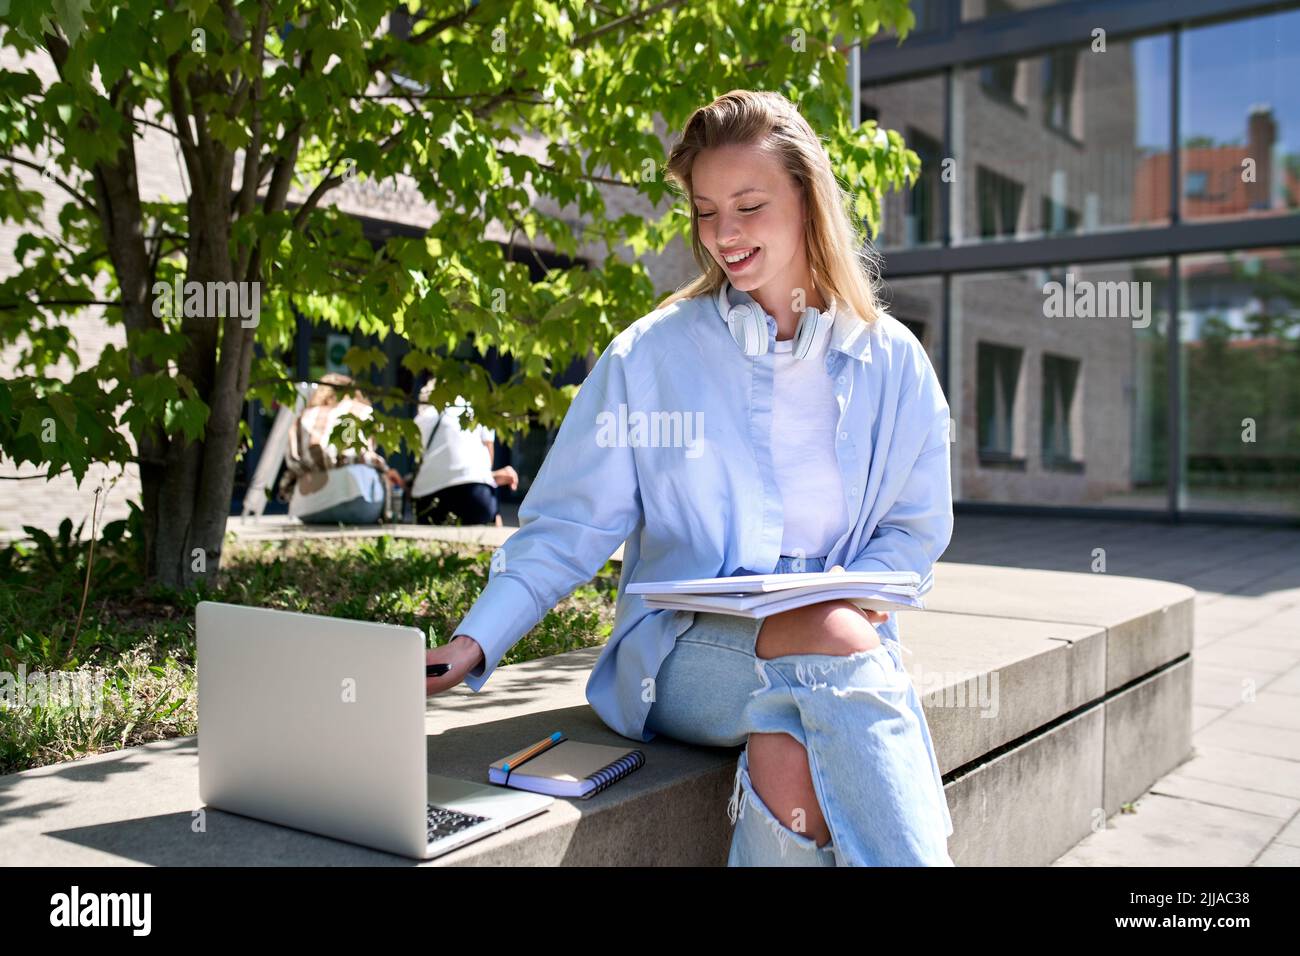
x,y
875,617
463,653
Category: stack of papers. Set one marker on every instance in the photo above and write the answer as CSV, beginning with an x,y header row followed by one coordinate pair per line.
x,y
759,595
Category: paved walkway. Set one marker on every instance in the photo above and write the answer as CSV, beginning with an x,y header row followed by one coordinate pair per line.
x,y
1234,802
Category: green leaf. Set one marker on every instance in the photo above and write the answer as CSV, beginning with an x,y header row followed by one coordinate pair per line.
x,y
360,360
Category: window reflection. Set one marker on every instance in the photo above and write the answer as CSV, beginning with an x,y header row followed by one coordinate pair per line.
x,y
979,9
918,304
1060,143
1239,118
1075,409
911,216
1240,332
1062,404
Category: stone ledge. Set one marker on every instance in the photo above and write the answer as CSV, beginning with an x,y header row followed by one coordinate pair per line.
x,y
1063,729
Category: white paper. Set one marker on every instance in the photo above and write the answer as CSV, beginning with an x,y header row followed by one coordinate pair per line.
x,y
900,581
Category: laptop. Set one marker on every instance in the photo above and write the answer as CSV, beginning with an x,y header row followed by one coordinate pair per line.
x,y
317,723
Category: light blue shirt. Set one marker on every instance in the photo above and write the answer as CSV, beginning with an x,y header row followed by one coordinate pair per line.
x,y
666,449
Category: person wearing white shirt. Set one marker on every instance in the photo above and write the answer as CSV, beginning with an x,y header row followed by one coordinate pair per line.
x,y
456,482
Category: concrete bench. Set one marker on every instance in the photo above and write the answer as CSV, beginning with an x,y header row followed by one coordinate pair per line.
x,y
1053,698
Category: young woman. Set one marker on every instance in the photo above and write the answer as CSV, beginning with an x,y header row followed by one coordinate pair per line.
x,y
769,417
311,456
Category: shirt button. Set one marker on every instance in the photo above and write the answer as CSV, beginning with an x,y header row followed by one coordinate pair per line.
x,y
843,435
853,490
840,380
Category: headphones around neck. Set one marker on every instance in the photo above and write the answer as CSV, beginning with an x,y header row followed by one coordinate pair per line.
x,y
748,325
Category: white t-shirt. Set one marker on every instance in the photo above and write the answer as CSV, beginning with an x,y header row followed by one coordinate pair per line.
x,y
456,457
804,417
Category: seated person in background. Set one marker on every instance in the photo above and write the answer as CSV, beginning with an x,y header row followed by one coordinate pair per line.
x,y
456,483
326,484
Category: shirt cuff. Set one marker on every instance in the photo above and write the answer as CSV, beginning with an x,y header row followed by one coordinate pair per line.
x,y
503,613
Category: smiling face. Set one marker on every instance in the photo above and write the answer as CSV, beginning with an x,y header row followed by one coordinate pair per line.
x,y
747,202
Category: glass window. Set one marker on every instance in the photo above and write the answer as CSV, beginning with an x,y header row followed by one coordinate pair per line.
x,y
918,304
1066,142
910,216
999,81
1059,385
1060,70
929,16
1240,118
1000,201
998,370
1057,217
1240,338
928,13
1060,410
980,9
922,224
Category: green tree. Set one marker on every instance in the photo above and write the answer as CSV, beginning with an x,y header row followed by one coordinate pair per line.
x,y
261,96
1250,370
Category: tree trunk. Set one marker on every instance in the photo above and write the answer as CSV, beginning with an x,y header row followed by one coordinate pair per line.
x,y
187,494
186,486
187,526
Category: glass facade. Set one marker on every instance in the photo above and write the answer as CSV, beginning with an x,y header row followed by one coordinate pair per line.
x,y
1240,382
1241,118
1076,194
1058,143
918,304
911,217
980,9
1059,384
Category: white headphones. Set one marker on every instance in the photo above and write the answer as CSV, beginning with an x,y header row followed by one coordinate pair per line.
x,y
748,324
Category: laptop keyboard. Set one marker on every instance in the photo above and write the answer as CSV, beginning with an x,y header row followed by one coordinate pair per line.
x,y
444,822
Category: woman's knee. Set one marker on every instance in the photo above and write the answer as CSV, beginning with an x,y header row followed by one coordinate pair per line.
x,y
828,627
779,772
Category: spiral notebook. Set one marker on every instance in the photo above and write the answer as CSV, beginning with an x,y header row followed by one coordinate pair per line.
x,y
570,768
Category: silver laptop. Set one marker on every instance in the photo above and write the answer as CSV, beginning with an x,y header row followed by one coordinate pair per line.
x,y
317,723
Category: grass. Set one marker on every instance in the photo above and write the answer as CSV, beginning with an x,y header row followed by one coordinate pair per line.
x,y
130,660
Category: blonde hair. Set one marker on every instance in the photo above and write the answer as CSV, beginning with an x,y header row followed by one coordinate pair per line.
x,y
327,390
842,262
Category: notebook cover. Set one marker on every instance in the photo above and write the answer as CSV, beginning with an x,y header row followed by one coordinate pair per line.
x,y
566,767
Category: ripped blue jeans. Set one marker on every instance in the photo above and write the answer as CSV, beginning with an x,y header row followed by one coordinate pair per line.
x,y
859,718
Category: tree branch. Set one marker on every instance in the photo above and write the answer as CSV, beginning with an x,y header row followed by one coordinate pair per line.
x,y
4,306
252,153
68,187
282,178
329,182
182,116
158,126
588,38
